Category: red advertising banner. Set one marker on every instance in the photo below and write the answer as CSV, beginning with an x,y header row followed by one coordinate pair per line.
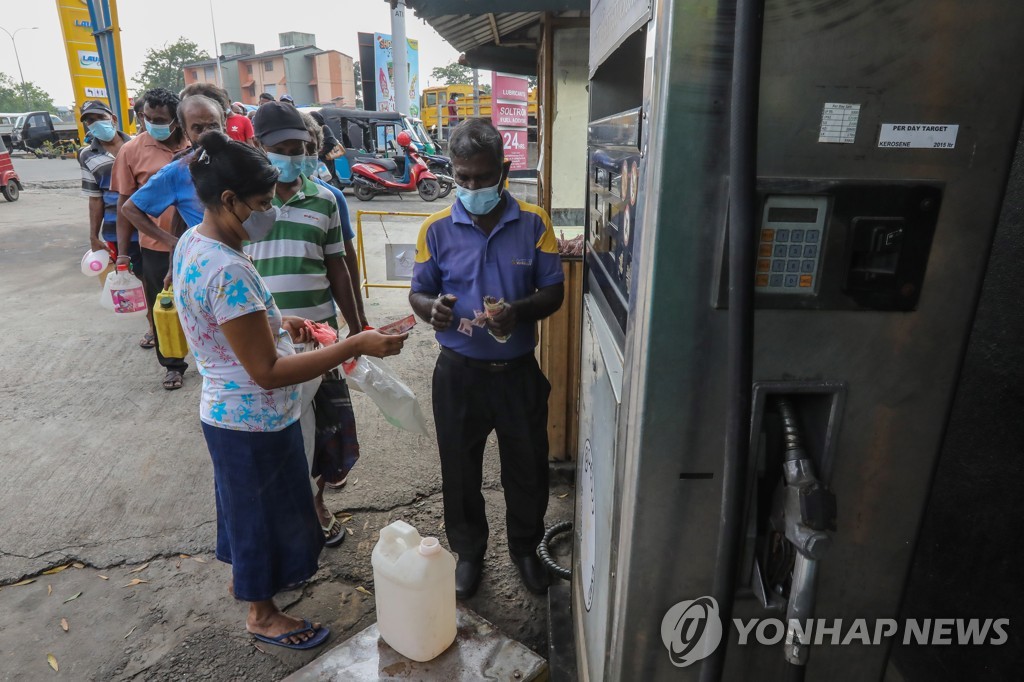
x,y
511,88
509,116
516,148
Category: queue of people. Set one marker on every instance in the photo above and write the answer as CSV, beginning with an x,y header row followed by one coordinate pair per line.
x,y
254,245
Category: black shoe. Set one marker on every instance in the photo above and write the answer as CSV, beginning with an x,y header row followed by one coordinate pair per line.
x,y
532,571
467,577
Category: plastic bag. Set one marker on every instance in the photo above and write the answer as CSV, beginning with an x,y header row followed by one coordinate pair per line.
x,y
395,400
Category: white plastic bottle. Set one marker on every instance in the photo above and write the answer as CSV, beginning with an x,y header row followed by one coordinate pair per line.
x,y
414,585
126,293
94,262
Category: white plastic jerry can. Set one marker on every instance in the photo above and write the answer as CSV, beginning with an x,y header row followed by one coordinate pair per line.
x,y
414,586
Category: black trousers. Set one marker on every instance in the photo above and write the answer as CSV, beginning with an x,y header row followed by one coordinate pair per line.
x,y
470,403
154,268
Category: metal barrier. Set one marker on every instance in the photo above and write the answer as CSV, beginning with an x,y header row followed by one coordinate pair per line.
x,y
366,284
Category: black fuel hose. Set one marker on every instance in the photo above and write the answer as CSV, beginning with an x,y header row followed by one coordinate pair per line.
x,y
743,230
795,673
545,554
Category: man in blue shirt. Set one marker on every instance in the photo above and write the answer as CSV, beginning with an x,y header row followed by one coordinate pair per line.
x,y
487,269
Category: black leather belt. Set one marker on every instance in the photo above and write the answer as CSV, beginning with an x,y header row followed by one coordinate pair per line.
x,y
486,365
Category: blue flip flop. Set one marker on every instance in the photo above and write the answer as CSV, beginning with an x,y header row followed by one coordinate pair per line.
x,y
281,640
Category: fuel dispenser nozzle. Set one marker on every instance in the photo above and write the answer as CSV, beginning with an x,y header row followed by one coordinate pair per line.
x,y
806,511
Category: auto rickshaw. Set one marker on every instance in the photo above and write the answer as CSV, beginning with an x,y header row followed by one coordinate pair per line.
x,y
10,183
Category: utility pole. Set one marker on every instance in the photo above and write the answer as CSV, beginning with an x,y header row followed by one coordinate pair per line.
x,y
399,56
216,47
24,92
476,93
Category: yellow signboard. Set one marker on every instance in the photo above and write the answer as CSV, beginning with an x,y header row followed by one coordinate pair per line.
x,y
84,62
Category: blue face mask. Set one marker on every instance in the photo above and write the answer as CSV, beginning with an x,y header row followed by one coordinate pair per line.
x,y
309,165
289,167
102,130
159,132
479,201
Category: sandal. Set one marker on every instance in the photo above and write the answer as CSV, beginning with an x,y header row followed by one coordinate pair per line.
x,y
318,638
172,380
339,485
147,340
334,533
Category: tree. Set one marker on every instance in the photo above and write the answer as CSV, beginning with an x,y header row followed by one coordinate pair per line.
x,y
453,74
359,78
30,98
164,68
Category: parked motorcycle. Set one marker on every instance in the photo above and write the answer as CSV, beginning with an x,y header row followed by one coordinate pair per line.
x,y
372,176
441,167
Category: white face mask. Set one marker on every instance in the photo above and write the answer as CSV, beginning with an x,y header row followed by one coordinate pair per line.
x,y
259,223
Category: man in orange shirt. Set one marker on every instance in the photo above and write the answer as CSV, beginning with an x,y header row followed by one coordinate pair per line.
x,y
138,161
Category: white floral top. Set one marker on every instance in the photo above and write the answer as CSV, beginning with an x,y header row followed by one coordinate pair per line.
x,y
213,284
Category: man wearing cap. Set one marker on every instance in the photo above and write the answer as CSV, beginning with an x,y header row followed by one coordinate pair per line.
x,y
487,269
302,259
286,98
138,161
97,160
265,97
238,126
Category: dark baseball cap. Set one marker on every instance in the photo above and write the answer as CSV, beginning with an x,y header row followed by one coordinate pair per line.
x,y
276,122
287,98
94,106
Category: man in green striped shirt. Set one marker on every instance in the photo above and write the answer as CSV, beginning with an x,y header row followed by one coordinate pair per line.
x,y
302,260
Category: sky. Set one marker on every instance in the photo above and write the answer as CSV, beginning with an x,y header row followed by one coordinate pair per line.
x,y
149,24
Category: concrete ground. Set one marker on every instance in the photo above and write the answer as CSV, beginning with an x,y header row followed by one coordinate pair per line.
x,y
107,473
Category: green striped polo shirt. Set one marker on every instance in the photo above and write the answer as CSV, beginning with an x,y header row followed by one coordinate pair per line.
x,y
291,259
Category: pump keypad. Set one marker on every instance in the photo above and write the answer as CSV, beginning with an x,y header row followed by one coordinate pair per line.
x,y
790,244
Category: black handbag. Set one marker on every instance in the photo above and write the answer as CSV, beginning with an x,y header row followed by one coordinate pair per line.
x,y
336,448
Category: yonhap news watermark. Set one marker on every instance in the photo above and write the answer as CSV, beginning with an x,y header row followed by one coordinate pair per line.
x,y
692,630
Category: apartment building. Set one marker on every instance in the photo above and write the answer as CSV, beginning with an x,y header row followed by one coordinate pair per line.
x,y
298,68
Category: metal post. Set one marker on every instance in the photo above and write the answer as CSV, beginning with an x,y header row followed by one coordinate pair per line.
x,y
24,93
440,121
399,57
476,93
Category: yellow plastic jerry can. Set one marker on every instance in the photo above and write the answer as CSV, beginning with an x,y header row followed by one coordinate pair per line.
x,y
168,327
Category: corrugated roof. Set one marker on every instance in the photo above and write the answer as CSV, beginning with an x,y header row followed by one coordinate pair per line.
x,y
466,31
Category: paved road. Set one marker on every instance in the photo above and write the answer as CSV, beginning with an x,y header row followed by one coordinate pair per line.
x,y
32,170
103,466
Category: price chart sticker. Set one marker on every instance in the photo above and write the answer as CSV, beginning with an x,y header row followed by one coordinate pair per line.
x,y
839,123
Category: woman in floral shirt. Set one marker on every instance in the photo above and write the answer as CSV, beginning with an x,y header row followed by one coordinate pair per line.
x,y
266,527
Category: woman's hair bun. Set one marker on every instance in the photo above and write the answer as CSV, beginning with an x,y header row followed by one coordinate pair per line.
x,y
214,141
220,164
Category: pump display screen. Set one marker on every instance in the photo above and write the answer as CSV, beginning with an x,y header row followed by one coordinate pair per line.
x,y
790,245
789,214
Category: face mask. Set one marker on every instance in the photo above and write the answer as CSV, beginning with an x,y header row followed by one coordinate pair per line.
x,y
159,132
102,130
289,167
259,223
309,165
479,201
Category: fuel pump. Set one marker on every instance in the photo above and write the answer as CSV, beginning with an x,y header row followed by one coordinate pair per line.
x,y
788,220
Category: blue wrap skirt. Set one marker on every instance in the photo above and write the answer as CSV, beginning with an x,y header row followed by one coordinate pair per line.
x,y
267,528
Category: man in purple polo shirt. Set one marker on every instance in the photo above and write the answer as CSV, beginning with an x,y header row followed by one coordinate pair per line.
x,y
489,245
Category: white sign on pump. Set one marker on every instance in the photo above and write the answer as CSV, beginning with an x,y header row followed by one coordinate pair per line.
x,y
918,136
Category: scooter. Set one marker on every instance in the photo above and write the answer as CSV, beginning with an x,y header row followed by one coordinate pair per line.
x,y
372,176
441,167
